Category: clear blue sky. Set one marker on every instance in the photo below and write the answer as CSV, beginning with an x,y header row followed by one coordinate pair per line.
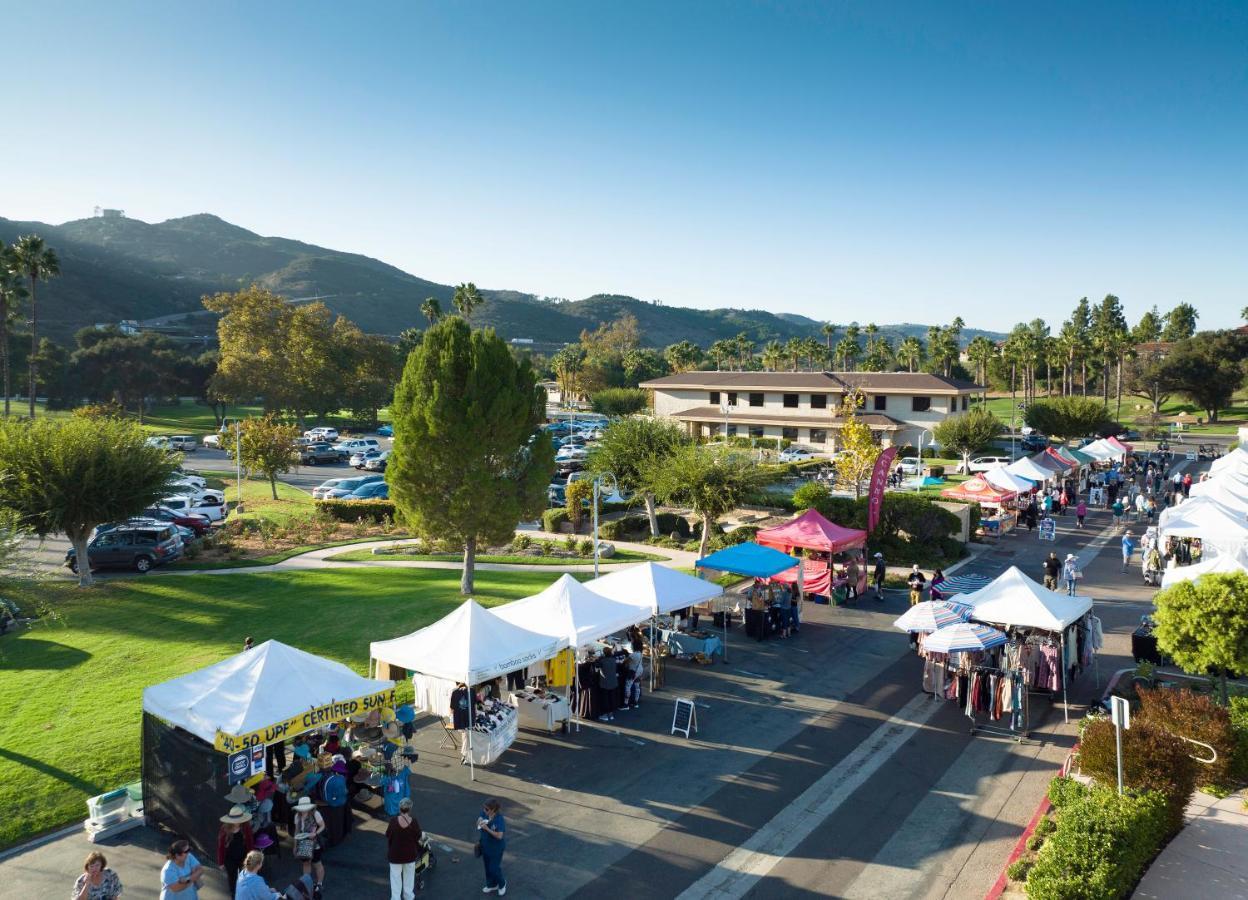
x,y
850,161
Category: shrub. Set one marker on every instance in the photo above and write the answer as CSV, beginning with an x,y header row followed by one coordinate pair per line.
x,y
1100,846
1239,727
812,495
569,542
553,519
1152,760
521,542
109,409
1018,869
547,547
1063,791
936,471
1045,826
619,401
1195,716
355,510
671,522
739,535
578,496
1035,842
585,548
622,529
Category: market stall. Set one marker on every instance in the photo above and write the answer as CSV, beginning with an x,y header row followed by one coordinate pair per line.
x,y
812,532
198,728
1208,520
1027,468
998,514
964,583
753,561
1222,564
1237,459
467,648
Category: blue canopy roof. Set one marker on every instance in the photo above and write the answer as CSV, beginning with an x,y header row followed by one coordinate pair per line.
x,y
749,559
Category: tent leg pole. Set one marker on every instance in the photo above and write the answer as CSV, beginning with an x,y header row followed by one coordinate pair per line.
x,y
1065,701
654,654
472,720
725,615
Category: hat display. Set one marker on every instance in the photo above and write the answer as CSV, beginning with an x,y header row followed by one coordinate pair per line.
x,y
324,761
239,794
236,816
405,714
362,795
265,789
358,718
302,751
305,804
339,766
263,841
391,731
366,753
387,714
333,727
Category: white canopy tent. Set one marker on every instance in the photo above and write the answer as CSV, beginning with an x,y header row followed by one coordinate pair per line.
x,y
1223,493
1026,468
1236,459
1207,519
1014,600
1002,477
654,589
571,613
469,645
1103,450
1230,481
1222,564
253,690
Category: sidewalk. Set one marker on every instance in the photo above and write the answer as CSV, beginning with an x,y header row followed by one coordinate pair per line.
x,y
1205,859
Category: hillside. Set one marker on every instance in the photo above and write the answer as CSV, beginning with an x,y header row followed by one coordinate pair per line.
x,y
119,268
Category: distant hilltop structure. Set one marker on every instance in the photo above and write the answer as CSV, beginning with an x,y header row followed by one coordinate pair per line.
x,y
102,213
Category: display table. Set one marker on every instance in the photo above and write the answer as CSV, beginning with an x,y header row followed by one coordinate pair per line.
x,y
489,745
681,644
547,712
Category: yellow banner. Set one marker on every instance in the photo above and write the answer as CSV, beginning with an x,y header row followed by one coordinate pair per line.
x,y
306,721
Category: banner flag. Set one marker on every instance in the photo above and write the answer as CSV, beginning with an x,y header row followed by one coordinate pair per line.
x,y
879,480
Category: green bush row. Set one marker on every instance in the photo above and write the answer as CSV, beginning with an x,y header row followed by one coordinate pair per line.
x,y
1239,725
357,510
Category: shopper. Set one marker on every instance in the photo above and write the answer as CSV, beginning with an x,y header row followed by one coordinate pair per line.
x,y
1128,547
1081,512
492,831
1070,573
636,665
333,790
1052,568
234,842
916,581
1187,484
938,578
1117,510
402,850
181,874
852,573
608,675
878,576
97,881
310,824
251,885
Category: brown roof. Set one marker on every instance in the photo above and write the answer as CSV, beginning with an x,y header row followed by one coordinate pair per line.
x,y
744,416
878,382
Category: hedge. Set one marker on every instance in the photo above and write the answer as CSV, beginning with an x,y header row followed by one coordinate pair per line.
x,y
355,510
1196,716
553,519
1101,845
1239,725
671,522
1153,759
623,529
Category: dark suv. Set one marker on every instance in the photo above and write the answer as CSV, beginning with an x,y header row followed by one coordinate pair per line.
x,y
137,547
316,454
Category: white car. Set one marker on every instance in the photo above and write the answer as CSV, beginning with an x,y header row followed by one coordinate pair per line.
x,y
987,463
190,505
197,480
158,440
795,454
361,458
189,488
321,491
358,445
322,433
570,453
911,465
377,463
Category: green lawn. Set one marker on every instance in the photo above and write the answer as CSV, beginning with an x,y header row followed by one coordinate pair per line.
x,y
258,496
620,556
71,687
1229,419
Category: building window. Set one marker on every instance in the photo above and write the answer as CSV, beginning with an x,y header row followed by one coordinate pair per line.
x,y
790,401
880,402
818,435
789,434
732,398
920,404
756,399
732,430
714,398
756,431
966,402
818,401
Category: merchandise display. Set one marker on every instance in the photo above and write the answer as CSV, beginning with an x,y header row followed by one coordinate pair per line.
x,y
540,709
687,643
493,731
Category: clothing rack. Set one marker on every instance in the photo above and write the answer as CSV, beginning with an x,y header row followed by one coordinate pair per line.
x,y
1018,735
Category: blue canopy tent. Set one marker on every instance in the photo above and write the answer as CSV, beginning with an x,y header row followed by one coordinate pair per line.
x,y
749,559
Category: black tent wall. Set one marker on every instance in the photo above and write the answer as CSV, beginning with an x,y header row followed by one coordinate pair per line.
x,y
184,785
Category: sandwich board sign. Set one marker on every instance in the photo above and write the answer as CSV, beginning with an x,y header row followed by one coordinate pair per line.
x,y
1048,529
684,717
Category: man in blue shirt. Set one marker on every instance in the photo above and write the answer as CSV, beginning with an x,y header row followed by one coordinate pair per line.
x,y
1128,547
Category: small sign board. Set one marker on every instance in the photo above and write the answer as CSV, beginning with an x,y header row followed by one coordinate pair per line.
x,y
1048,529
1120,712
257,759
1190,455
238,766
684,717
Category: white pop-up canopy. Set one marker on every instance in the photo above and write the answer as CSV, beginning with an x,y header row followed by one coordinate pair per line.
x,y
1027,468
1002,477
654,589
469,645
570,612
1230,481
254,691
1236,459
1207,519
1221,564
1223,493
1015,600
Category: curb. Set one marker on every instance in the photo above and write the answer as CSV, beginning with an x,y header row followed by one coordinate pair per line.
x,y
1020,847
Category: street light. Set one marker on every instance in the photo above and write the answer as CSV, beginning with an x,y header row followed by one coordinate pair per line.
x,y
613,498
918,476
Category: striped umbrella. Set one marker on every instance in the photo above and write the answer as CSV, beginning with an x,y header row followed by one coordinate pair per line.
x,y
931,615
963,584
963,636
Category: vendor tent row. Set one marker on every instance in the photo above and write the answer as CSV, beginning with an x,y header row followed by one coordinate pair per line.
x,y
1216,512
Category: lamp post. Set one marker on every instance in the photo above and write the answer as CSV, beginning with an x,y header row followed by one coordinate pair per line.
x,y
613,498
918,476
238,462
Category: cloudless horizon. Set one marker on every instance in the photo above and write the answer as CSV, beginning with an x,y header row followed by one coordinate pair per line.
x,y
862,161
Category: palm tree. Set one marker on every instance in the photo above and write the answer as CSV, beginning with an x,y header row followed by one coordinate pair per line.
x,y
745,350
683,357
812,350
773,356
827,329
980,352
910,353
12,292
431,309
719,351
793,352
36,260
466,298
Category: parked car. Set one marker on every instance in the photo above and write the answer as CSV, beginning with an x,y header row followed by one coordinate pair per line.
x,y
795,454
212,441
556,495
346,486
1035,442
197,522
197,480
986,463
319,492
358,445
322,433
361,457
571,453
911,465
378,490
385,431
158,440
183,442
184,504
377,463
316,454
138,547
195,488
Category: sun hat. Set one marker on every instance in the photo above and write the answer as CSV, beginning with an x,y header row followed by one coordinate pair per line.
x,y
387,714
358,718
405,714
390,730
879,556
305,804
263,840
236,816
302,751
239,794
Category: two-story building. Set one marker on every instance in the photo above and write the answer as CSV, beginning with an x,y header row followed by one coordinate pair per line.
x,y
803,406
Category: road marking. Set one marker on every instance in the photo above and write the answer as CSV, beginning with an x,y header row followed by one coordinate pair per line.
x,y
738,872
751,674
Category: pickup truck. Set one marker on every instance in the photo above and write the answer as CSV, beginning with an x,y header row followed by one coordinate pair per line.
x,y
204,506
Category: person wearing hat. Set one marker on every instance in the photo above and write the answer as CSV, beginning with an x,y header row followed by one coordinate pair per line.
x,y
1070,573
239,794
234,842
917,581
1128,548
877,577
309,822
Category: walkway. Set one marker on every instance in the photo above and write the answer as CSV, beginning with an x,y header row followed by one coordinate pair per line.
x,y
1208,852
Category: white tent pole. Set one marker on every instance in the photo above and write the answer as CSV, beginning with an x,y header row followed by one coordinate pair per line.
x,y
472,720
654,653
1065,702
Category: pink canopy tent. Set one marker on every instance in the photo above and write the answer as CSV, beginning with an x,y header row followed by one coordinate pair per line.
x,y
1121,445
812,531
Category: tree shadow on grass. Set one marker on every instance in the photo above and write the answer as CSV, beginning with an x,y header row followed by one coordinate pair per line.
x,y
49,655
73,781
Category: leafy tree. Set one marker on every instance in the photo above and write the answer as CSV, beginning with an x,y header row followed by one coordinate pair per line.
x,y
684,356
643,364
70,475
575,497
126,368
466,298
1208,368
968,433
711,481
12,293
619,401
1180,323
1067,417
635,450
1150,378
408,339
568,364
857,449
1148,329
1203,625
267,446
1112,340
252,336
431,309
38,262
469,461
